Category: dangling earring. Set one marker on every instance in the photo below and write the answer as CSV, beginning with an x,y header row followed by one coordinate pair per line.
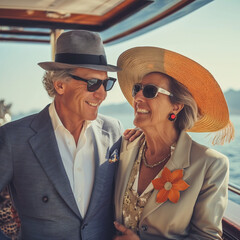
x,y
172,117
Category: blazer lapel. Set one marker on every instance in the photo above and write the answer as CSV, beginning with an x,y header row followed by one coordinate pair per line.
x,y
127,159
45,147
179,160
101,148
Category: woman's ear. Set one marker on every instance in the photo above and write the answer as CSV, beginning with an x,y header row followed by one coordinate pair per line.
x,y
177,107
59,87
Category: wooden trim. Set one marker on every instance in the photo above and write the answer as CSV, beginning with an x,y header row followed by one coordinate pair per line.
x,y
231,231
27,33
12,17
24,40
47,24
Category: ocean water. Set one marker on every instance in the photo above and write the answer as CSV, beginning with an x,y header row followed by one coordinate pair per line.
x,y
231,150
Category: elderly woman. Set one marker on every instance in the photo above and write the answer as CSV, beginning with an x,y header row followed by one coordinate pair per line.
x,y
169,186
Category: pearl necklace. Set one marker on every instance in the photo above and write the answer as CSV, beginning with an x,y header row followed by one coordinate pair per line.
x,y
155,164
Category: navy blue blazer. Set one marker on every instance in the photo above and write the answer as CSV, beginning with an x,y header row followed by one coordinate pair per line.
x,y
31,164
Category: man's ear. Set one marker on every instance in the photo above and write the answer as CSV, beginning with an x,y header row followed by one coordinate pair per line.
x,y
59,87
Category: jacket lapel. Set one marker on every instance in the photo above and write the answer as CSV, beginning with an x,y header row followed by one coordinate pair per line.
x,y
127,159
101,148
179,160
45,147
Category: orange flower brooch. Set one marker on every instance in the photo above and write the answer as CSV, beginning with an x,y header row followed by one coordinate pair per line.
x,y
169,185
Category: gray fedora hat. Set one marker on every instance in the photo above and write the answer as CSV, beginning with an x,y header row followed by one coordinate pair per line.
x,y
79,48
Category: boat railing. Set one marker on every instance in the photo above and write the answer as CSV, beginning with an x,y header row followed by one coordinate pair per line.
x,y
231,220
234,188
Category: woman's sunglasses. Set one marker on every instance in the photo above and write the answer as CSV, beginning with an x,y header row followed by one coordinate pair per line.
x,y
94,84
149,90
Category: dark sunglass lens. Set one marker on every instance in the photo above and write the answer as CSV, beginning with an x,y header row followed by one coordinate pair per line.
x,y
136,89
108,84
93,85
150,91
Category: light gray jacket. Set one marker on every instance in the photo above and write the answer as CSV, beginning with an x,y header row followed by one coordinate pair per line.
x,y
198,213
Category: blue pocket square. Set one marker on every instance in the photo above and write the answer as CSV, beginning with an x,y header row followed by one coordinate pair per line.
x,y
114,156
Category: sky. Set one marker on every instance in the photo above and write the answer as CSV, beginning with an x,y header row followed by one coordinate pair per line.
x,y
209,35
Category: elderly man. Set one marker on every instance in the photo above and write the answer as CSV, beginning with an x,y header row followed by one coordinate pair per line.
x,y
57,162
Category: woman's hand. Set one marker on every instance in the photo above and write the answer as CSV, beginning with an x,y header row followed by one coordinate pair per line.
x,y
127,234
132,134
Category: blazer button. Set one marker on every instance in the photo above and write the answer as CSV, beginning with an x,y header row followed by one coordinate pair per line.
x,y
84,225
144,228
45,199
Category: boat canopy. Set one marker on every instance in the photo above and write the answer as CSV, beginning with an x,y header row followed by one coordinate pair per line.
x,y
115,20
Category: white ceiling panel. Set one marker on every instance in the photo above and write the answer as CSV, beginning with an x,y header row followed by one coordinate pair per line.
x,y
93,7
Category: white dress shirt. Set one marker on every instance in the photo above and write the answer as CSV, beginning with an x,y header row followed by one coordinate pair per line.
x,y
78,160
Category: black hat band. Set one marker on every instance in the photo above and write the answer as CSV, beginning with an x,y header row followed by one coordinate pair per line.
x,y
73,58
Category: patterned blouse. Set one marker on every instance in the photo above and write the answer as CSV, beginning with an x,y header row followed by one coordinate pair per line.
x,y
133,204
9,221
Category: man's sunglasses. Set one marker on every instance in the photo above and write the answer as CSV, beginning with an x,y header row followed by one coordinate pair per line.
x,y
94,84
149,90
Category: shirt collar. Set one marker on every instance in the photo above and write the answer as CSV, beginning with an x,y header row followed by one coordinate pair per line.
x,y
56,121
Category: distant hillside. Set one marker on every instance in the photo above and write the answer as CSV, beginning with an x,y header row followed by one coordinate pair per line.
x,y
110,110
232,98
122,108
24,114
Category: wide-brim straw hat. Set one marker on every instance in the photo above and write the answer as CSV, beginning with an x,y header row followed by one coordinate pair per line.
x,y
139,61
79,49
